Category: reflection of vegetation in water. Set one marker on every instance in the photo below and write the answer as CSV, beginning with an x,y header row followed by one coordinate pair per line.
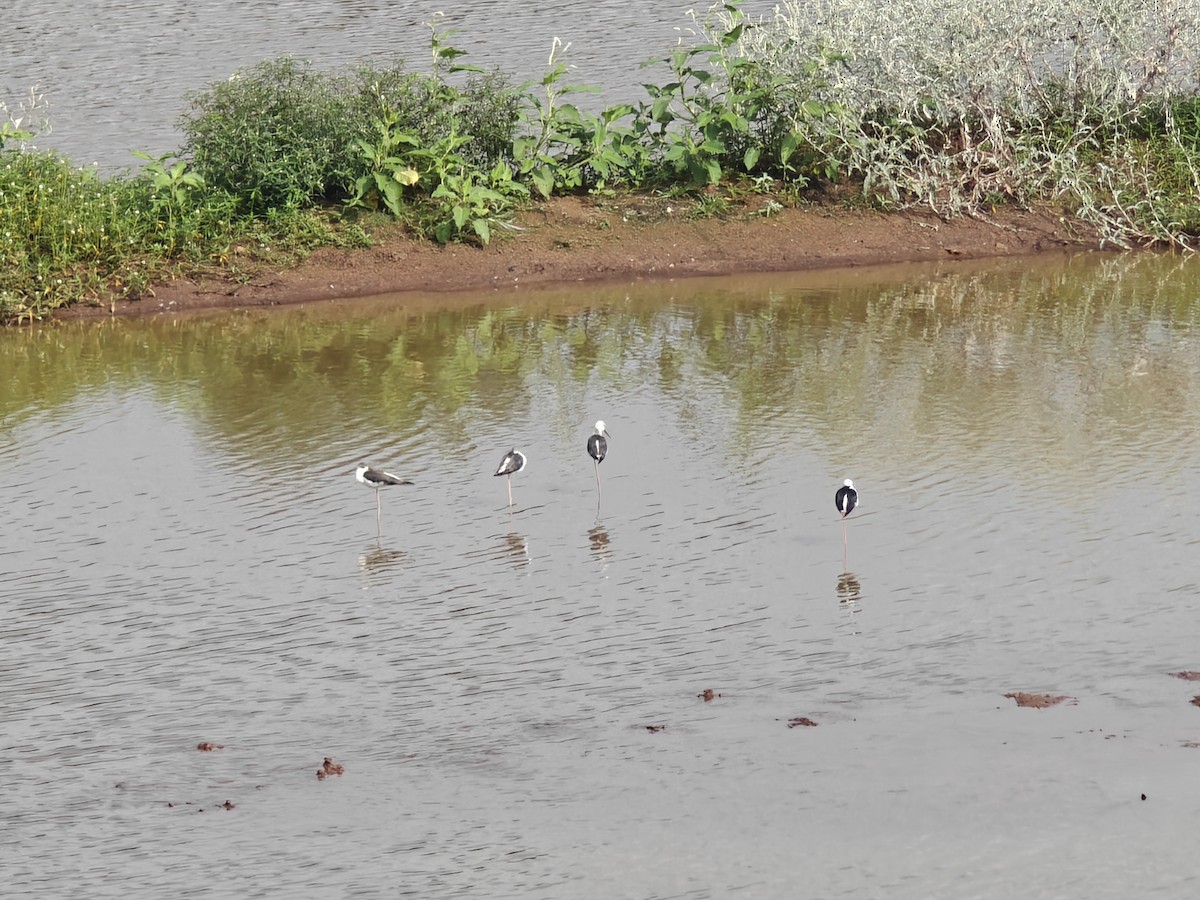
x,y
1049,361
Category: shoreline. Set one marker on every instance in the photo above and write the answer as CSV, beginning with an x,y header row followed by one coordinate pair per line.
x,y
573,240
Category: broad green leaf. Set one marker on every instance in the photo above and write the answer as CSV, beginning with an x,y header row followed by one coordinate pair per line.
x,y
543,180
788,147
661,111
393,198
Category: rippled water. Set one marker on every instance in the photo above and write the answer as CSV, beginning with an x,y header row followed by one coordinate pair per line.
x,y
115,73
187,558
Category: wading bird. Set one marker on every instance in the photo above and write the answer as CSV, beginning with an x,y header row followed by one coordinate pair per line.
x,y
597,448
376,478
513,462
845,500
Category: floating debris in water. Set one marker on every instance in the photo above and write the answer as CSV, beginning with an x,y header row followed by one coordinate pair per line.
x,y
708,695
655,729
1196,700
1039,701
208,746
1187,675
801,720
329,767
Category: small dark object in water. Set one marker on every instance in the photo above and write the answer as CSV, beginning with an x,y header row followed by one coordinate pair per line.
x,y
329,767
1038,701
801,720
1196,700
207,746
708,695
227,805
655,729
1143,796
1187,675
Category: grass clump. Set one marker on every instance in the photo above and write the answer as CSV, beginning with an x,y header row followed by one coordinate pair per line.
x,y
69,235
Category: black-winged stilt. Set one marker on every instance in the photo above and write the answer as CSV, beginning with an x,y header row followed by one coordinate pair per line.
x,y
845,500
597,448
513,462
377,478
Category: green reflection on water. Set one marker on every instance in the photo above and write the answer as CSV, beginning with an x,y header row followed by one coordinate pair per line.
x,y
1044,358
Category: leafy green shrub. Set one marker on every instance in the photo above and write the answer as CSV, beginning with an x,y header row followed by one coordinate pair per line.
x,y
484,109
274,135
432,187
437,156
283,134
71,235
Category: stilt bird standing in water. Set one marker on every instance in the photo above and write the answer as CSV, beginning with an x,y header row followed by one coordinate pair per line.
x,y
597,448
376,478
845,500
513,462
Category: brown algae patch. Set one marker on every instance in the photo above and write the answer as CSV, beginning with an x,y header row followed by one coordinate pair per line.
x,y
1039,701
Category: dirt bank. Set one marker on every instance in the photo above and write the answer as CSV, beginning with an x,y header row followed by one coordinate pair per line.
x,y
579,240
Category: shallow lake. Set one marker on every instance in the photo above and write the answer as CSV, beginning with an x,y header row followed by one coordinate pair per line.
x,y
115,73
515,695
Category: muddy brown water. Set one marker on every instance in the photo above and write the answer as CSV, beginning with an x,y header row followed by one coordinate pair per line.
x,y
515,696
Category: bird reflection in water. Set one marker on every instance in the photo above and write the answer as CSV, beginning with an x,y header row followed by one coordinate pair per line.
x,y
849,588
598,540
515,549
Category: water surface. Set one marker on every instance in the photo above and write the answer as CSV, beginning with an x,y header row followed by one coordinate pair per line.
x,y
115,73
187,558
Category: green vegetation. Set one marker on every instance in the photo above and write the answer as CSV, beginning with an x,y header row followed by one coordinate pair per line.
x,y
1089,105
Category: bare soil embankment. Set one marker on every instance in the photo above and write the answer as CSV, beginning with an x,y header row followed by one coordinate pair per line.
x,y
573,240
